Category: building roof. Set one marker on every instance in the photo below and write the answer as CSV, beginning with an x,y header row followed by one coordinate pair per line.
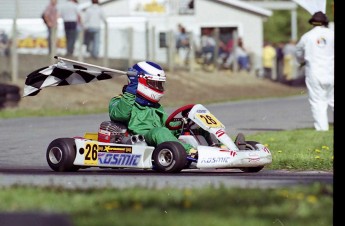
x,y
243,5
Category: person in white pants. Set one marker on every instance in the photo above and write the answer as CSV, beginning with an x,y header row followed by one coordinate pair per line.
x,y
315,50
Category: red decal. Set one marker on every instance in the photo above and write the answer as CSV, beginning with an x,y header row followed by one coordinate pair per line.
x,y
232,153
220,133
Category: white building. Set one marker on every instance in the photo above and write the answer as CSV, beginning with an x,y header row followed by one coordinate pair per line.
x,y
150,22
162,16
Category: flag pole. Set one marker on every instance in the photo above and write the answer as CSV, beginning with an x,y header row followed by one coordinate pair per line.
x,y
92,65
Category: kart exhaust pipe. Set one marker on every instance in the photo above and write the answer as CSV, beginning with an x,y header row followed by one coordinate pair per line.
x,y
134,139
137,139
141,138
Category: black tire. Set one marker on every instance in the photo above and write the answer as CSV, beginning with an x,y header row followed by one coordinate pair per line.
x,y
14,89
252,169
14,97
60,155
251,145
169,157
2,95
9,95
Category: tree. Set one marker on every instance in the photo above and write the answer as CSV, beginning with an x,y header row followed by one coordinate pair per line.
x,y
278,27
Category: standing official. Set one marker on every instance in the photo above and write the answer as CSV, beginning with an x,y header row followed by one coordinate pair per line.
x,y
71,16
94,17
315,50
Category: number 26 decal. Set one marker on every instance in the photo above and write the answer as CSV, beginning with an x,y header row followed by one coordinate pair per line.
x,y
91,153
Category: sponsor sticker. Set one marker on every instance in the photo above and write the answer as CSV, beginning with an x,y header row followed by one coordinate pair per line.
x,y
215,160
118,159
115,149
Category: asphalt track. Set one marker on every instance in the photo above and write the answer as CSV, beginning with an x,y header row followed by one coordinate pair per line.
x,y
24,141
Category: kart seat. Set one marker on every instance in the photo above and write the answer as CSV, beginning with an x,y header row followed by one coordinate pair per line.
x,y
201,140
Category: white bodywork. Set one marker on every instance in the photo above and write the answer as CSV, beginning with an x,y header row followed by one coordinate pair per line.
x,y
101,154
139,155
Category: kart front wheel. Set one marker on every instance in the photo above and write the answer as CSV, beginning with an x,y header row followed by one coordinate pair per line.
x,y
252,169
251,145
169,157
60,155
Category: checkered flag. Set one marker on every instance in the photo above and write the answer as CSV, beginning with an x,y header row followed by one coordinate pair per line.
x,y
66,72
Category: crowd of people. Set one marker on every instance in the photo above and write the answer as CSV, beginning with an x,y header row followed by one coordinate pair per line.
x,y
74,21
279,62
227,51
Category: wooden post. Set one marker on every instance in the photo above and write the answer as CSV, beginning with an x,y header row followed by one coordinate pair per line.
x,y
191,60
154,43
130,46
235,62
216,50
105,55
171,45
147,41
14,55
81,45
53,38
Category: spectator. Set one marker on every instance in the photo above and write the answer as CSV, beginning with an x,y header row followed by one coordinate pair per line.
x,y
208,45
315,50
4,44
70,14
225,50
268,59
290,63
241,55
94,16
51,16
280,61
182,44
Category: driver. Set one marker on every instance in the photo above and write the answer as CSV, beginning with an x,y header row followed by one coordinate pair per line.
x,y
138,105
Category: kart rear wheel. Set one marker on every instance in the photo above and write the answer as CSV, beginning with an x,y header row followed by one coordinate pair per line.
x,y
251,145
60,155
252,169
169,157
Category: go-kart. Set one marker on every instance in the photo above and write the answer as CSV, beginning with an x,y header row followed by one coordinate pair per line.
x,y
113,146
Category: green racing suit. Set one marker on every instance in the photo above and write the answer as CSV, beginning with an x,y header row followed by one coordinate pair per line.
x,y
146,120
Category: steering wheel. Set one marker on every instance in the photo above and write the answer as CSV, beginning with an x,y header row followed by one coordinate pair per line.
x,y
172,117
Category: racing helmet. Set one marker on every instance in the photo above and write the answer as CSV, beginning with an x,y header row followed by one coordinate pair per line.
x,y
151,80
318,19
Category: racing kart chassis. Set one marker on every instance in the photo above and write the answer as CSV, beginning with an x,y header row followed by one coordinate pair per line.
x,y
113,146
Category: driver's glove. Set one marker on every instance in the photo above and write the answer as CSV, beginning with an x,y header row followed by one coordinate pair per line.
x,y
132,86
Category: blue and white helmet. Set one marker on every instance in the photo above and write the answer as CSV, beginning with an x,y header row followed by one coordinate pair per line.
x,y
151,80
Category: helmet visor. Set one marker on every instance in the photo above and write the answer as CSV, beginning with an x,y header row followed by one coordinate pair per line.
x,y
157,85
